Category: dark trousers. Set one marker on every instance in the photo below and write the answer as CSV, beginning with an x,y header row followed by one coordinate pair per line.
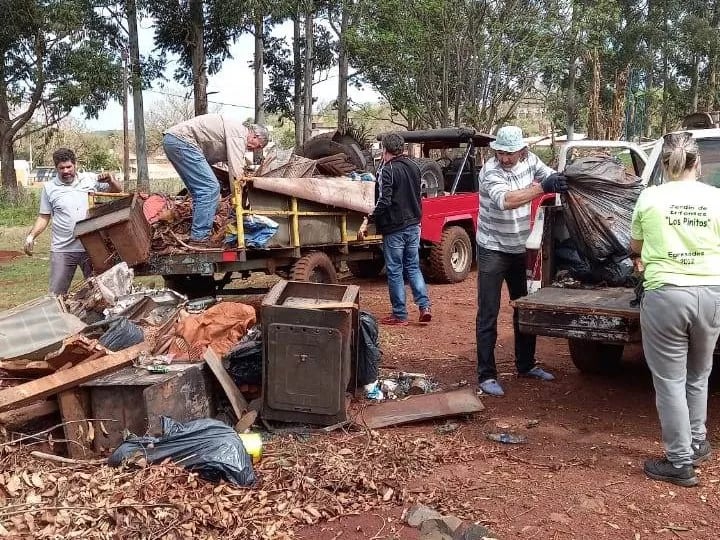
x,y
494,267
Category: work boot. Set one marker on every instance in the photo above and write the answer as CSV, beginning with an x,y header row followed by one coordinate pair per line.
x,y
665,471
492,387
425,315
538,373
202,244
392,320
701,452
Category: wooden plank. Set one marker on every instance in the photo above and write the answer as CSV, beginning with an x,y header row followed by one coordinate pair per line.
x,y
237,401
75,407
418,408
26,368
23,415
609,300
32,391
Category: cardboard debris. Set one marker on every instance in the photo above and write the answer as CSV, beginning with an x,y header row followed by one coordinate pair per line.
x,y
423,407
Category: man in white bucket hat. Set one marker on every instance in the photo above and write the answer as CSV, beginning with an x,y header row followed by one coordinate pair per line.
x,y
508,184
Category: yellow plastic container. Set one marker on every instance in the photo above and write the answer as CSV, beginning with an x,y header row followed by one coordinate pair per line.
x,y
253,445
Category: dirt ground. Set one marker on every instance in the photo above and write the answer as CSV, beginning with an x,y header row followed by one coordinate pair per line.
x,y
579,476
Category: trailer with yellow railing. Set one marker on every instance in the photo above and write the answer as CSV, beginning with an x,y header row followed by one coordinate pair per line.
x,y
313,242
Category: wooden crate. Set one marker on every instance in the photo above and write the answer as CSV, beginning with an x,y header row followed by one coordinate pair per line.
x,y
114,232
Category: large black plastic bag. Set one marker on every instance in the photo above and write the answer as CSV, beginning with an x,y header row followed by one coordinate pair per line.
x,y
244,361
599,206
369,352
122,334
206,446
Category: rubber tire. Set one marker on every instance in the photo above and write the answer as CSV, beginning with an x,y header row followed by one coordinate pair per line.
x,y
368,268
594,357
315,267
191,285
442,268
432,182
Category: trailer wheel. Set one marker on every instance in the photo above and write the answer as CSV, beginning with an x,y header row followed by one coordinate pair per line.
x,y
368,268
431,177
594,357
191,285
315,267
451,259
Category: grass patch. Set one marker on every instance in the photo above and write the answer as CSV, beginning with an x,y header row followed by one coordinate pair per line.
x,y
19,212
24,278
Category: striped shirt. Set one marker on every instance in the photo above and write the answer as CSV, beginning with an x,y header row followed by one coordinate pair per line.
x,y
501,229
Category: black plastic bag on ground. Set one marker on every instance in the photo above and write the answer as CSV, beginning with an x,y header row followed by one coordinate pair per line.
x,y
122,334
206,446
244,362
599,205
369,352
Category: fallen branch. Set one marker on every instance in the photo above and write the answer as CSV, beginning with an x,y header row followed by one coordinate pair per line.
x,y
53,428
66,461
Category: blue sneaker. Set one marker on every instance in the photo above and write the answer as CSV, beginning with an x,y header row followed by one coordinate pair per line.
x,y
492,387
538,373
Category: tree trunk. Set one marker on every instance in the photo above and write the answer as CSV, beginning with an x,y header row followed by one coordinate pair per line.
x,y
712,80
143,179
695,85
126,125
570,107
343,69
594,122
258,68
199,69
309,71
7,166
297,76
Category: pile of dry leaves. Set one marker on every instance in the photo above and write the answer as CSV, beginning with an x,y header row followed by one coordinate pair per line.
x,y
301,482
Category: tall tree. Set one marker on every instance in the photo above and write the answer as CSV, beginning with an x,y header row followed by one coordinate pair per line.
x,y
54,56
200,32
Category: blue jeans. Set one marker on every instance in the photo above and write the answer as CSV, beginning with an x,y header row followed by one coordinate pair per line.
x,y
198,177
494,268
402,256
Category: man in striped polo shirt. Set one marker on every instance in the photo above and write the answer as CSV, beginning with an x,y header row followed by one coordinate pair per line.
x,y
508,184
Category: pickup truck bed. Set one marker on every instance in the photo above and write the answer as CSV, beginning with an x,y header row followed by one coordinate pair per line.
x,y
597,323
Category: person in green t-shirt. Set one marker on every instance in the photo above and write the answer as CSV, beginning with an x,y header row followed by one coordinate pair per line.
x,y
676,230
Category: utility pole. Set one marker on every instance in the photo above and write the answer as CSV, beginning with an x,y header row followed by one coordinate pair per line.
x,y
126,126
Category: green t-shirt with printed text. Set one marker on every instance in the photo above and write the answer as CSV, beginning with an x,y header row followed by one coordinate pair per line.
x,y
679,224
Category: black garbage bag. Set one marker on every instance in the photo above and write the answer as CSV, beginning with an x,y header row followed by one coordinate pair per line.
x,y
369,352
599,205
122,334
244,361
206,446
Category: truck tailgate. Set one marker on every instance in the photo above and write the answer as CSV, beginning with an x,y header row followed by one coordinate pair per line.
x,y
602,314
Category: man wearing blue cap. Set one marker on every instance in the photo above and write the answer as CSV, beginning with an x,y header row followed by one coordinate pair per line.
x,y
508,184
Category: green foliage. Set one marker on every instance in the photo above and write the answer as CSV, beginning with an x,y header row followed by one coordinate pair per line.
x,y
57,55
18,209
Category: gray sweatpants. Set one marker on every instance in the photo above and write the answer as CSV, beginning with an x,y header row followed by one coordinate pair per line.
x,y
62,269
680,326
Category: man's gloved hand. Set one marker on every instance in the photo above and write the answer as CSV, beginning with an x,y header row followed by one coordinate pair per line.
x,y
555,183
29,245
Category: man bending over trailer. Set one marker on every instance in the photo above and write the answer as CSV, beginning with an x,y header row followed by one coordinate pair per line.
x,y
192,146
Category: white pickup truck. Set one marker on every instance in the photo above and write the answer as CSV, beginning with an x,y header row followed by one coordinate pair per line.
x,y
597,322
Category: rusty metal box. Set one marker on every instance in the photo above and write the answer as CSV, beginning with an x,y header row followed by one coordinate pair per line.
x,y
114,232
309,348
133,399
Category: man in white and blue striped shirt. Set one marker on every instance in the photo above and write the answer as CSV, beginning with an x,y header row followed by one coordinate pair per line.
x,y
508,184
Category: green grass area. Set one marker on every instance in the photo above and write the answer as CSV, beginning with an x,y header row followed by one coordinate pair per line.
x,y
21,212
26,277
